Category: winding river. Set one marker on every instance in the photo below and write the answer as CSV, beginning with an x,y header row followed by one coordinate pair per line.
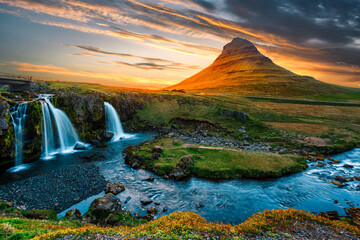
x,y
230,201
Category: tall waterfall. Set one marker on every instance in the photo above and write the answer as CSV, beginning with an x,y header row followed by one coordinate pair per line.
x,y
113,123
58,134
18,116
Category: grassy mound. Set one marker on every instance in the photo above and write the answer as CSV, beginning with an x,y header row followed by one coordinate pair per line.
x,y
219,162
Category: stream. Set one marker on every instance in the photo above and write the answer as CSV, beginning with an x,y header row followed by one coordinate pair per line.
x,y
230,201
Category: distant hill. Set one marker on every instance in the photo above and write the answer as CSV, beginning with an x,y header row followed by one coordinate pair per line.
x,y
242,69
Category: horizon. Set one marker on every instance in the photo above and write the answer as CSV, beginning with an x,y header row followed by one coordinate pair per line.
x,y
156,44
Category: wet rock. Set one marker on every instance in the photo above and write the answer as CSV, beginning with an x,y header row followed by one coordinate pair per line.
x,y
107,136
80,146
200,205
354,215
164,209
348,166
182,168
157,203
114,188
341,178
127,199
136,215
97,143
320,164
332,215
146,201
151,210
106,204
357,178
150,179
336,201
340,185
73,214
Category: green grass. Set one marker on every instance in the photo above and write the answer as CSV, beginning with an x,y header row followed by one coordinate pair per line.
x,y
226,163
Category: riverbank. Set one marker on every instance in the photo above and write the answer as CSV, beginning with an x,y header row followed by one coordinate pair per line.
x,y
57,189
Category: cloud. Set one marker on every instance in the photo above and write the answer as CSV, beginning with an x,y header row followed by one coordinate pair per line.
x,y
149,64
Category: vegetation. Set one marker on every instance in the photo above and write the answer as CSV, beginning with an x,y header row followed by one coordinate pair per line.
x,y
178,225
219,162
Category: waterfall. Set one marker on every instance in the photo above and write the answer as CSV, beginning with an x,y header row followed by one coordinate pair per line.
x,y
113,123
18,116
58,134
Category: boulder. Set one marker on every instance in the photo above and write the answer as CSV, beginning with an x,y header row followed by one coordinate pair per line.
x,y
80,146
107,136
73,214
320,164
114,188
340,185
146,201
348,166
182,168
239,115
151,210
155,156
341,178
106,204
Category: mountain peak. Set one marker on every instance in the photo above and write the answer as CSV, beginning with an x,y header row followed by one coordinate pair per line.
x,y
239,47
242,69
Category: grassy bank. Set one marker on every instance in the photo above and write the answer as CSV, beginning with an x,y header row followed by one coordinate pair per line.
x,y
182,225
217,162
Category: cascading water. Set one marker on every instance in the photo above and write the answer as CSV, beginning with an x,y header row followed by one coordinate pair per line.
x,y
18,116
113,123
59,135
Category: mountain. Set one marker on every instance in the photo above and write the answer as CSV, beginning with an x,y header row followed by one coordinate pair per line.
x,y
242,69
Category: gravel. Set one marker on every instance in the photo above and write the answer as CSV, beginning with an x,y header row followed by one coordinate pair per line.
x,y
57,190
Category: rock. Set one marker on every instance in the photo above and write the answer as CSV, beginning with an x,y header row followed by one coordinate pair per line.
x,y
97,143
340,185
239,115
164,209
336,201
341,178
106,204
151,210
200,205
176,142
283,151
182,168
348,166
166,177
4,110
320,164
73,214
332,215
157,203
136,215
357,178
127,199
146,201
157,149
155,156
354,214
150,179
80,146
107,136
114,188
171,135
336,161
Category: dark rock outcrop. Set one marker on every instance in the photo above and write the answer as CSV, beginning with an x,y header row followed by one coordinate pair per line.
x,y
73,214
236,114
182,168
114,188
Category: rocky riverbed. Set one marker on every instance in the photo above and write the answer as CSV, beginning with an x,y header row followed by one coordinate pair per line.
x,y
57,190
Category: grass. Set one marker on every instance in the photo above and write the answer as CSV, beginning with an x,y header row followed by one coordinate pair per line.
x,y
221,163
189,225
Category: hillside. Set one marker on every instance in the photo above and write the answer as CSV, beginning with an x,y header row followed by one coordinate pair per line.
x,y
242,69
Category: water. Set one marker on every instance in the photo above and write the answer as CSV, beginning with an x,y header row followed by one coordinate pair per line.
x,y
18,116
113,122
58,134
231,201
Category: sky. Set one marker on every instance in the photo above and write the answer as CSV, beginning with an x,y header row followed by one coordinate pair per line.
x,y
154,44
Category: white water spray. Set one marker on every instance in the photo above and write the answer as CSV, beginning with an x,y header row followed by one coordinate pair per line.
x,y
58,134
113,123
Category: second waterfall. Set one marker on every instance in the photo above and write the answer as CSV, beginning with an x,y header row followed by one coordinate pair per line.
x,y
59,135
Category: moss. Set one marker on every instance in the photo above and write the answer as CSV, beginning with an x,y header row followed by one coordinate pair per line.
x,y
33,136
41,214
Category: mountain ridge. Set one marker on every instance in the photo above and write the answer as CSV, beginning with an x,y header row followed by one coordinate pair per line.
x,y
242,69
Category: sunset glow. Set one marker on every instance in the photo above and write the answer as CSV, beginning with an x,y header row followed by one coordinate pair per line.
x,y
155,44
